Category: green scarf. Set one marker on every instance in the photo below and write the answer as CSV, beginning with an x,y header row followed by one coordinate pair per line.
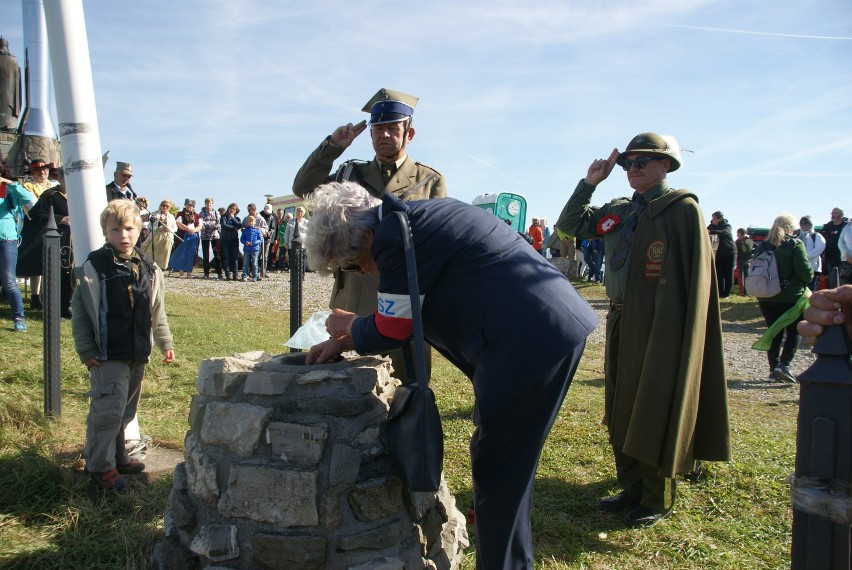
x,y
788,317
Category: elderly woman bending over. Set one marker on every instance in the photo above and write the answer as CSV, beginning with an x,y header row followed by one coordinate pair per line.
x,y
474,271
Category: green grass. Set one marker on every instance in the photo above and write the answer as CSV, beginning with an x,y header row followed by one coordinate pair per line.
x,y
739,518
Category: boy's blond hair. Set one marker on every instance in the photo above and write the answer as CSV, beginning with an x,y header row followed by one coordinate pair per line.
x,y
250,219
122,210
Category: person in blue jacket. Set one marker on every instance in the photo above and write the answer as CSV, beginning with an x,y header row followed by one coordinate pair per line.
x,y
14,199
488,299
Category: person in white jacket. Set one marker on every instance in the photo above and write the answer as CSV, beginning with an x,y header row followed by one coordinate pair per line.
x,y
814,244
844,243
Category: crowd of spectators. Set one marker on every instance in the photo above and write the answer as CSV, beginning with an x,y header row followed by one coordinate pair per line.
x,y
178,241
214,240
828,250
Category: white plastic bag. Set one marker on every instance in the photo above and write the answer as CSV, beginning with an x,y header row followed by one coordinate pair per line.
x,y
311,333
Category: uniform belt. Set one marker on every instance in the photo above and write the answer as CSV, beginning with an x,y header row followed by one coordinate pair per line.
x,y
616,306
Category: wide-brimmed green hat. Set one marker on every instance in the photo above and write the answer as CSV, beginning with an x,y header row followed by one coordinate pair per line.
x,y
654,144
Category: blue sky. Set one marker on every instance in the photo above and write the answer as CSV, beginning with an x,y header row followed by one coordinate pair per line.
x,y
226,98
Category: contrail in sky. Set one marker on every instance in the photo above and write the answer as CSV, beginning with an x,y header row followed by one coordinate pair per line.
x,y
761,33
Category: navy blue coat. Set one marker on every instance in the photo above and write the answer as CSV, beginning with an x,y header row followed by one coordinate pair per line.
x,y
492,305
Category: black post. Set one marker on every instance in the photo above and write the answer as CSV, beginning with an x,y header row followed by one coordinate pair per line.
x,y
51,286
833,280
820,488
297,279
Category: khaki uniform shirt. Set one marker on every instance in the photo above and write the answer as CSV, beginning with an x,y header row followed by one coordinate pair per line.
x,y
353,292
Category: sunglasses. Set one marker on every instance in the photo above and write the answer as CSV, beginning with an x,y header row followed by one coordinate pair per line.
x,y
639,163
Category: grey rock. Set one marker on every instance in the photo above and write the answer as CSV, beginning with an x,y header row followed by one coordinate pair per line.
x,y
345,462
375,538
385,563
216,542
267,383
297,443
221,376
236,426
291,552
280,496
375,499
201,472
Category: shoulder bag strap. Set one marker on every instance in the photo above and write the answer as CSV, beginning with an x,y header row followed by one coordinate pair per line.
x,y
417,186
418,375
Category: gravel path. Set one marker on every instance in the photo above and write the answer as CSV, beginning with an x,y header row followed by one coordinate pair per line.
x,y
273,291
747,369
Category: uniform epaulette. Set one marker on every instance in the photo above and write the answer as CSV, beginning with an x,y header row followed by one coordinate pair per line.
x,y
429,167
619,201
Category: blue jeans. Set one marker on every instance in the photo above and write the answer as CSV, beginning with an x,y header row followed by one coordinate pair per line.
x,y
8,262
250,263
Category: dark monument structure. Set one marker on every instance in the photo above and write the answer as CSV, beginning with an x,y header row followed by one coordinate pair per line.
x,y
10,88
17,146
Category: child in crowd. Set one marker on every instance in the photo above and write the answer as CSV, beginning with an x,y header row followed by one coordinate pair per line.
x,y
251,239
118,309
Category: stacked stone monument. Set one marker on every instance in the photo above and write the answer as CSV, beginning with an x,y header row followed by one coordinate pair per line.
x,y
285,467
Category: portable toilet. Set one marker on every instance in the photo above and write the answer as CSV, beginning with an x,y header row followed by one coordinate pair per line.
x,y
506,206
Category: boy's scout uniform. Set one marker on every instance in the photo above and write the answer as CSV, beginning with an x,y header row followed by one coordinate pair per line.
x,y
410,181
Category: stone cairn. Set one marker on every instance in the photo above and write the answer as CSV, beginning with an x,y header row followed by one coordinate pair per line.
x,y
568,266
285,467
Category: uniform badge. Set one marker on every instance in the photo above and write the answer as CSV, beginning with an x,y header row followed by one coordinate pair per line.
x,y
654,259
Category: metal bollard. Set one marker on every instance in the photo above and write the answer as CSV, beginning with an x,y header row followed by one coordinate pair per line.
x,y
297,279
51,286
820,487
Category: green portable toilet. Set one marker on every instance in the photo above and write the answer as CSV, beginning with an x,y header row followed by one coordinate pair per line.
x,y
506,206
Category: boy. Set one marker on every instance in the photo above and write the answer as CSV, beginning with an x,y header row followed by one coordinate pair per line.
x,y
252,239
118,310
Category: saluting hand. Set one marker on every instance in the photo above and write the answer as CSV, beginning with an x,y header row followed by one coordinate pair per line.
x,y
600,168
344,135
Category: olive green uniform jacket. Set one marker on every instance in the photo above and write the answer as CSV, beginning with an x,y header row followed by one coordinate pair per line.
x,y
669,401
353,292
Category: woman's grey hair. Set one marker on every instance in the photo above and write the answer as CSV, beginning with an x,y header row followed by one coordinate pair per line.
x,y
783,227
341,214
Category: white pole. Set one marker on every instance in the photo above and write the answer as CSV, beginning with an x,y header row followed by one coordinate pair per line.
x,y
78,131
78,122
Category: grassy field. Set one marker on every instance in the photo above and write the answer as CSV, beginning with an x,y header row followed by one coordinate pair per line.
x,y
739,518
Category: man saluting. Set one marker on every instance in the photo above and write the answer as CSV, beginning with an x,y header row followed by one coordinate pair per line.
x,y
391,171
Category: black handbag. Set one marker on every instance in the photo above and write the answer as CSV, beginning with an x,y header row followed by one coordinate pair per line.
x,y
415,438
